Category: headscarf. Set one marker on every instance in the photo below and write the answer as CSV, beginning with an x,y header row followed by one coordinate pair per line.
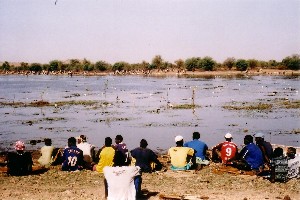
x,y
19,146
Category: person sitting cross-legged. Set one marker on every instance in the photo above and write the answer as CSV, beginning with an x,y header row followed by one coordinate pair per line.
x,y
72,157
106,156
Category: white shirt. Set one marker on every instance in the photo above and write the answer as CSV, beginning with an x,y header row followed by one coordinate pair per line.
x,y
46,158
120,181
294,165
87,150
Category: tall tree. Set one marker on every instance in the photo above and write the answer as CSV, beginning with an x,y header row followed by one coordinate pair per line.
x,y
207,63
241,65
229,63
292,62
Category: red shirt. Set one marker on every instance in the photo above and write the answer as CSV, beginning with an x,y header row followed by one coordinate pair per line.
x,y
228,151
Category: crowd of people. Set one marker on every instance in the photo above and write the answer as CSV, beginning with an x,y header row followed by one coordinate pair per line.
x,y
118,164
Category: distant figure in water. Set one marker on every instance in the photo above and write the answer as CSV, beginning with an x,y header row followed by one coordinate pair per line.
x,y
19,163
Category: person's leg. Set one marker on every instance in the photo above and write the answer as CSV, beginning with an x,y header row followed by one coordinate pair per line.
x,y
138,184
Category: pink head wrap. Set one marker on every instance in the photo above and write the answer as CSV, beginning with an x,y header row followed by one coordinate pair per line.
x,y
19,145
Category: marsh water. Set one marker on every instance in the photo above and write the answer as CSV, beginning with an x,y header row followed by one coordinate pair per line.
x,y
145,107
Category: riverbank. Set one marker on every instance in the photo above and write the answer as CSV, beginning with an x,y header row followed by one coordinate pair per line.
x,y
254,72
211,182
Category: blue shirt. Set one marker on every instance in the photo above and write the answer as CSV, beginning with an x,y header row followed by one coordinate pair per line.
x,y
199,146
72,159
253,156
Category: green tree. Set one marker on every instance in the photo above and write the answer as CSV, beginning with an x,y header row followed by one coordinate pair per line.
x,y
157,62
292,62
75,65
241,65
24,66
192,63
87,65
180,64
101,66
252,63
6,66
207,63
145,66
229,63
119,66
54,65
36,67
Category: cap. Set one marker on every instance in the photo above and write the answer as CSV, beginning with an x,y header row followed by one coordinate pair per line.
x,y
178,138
261,135
19,145
228,135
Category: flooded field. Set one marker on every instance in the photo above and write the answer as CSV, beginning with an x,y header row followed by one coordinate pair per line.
x,y
154,108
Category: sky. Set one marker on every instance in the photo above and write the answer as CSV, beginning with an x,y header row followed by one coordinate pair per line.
x,y
137,30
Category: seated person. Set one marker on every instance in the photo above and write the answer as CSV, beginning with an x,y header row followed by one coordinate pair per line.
x,y
279,166
106,156
250,157
119,182
46,153
225,151
88,151
144,157
120,146
293,163
19,163
182,158
200,149
72,157
265,147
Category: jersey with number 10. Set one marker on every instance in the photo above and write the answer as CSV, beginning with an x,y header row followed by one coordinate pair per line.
x,y
72,159
228,151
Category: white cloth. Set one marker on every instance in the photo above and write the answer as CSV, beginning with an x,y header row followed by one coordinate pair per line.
x,y
87,151
120,181
46,158
294,165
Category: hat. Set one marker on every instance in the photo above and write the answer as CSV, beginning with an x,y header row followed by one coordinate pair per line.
x,y
19,146
228,135
178,138
261,135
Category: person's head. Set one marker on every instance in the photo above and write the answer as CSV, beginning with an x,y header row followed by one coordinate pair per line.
x,y
196,136
278,151
83,138
179,140
48,141
19,146
248,139
78,139
71,141
259,137
291,152
118,139
108,142
143,143
228,137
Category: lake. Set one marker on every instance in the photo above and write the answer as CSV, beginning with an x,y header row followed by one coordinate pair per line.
x,y
140,107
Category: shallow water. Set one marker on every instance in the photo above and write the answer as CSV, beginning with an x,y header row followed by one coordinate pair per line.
x,y
138,108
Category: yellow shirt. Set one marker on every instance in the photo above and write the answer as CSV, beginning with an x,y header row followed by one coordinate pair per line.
x,y
106,158
179,155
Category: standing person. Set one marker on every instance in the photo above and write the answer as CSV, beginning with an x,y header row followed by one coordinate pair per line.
x,y
265,147
250,157
293,163
46,153
144,157
88,151
120,146
200,147
19,163
72,157
182,158
225,151
106,157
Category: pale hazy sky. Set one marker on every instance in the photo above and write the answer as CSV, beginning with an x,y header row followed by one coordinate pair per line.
x,y
137,30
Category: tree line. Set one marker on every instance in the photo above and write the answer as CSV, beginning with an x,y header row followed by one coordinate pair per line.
x,y
157,63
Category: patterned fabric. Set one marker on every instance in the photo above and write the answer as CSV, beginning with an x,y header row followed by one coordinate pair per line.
x,y
294,167
19,146
279,166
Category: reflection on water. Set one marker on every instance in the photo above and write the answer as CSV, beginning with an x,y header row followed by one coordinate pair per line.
x,y
143,107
